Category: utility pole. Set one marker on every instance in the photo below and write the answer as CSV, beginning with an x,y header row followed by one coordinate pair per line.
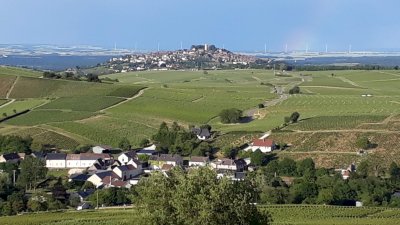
x,y
14,177
97,198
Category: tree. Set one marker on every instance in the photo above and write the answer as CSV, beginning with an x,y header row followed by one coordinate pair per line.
x,y
294,117
260,106
304,166
229,152
230,115
15,111
394,170
144,142
125,144
17,202
197,197
257,158
93,78
32,170
4,114
363,143
362,169
37,202
287,167
325,196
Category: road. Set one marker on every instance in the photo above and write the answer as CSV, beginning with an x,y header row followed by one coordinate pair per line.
x,y
125,100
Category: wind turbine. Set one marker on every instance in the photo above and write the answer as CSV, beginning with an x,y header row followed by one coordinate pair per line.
x,y
265,48
326,48
286,48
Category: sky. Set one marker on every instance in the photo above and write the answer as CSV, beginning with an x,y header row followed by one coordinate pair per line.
x,y
239,25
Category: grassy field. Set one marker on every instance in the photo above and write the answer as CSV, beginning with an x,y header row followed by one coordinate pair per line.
x,y
281,214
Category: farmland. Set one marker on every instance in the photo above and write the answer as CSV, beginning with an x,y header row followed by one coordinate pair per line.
x,y
281,214
332,108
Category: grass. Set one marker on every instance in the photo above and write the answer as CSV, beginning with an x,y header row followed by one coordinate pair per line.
x,y
14,71
109,130
89,103
21,105
281,214
126,91
48,116
335,122
5,84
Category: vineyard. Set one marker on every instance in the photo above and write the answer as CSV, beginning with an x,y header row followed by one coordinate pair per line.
x,y
281,215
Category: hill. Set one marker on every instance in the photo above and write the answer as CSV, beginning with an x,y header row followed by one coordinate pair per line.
x,y
336,108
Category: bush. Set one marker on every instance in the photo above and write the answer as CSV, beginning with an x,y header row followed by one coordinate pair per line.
x,y
260,106
294,90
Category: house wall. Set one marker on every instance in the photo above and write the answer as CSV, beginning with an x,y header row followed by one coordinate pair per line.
x,y
95,180
124,159
263,149
79,163
55,163
197,163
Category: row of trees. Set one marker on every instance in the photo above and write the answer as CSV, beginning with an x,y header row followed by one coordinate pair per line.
x,y
288,181
11,143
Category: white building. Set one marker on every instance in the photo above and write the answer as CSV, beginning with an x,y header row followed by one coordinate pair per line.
x,y
196,161
125,157
127,172
265,145
85,160
56,160
228,164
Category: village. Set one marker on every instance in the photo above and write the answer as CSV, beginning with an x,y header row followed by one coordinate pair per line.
x,y
104,170
198,56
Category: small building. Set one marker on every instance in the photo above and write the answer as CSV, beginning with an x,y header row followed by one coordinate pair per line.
x,y
56,160
157,161
229,164
265,145
125,157
85,160
101,149
202,133
127,172
80,177
195,161
10,158
98,179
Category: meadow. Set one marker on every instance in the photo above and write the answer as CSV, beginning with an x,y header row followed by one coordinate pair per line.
x,y
281,214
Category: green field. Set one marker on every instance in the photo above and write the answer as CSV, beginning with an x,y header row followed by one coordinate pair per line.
x,y
281,215
88,113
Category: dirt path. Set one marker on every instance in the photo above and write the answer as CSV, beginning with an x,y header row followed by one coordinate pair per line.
x,y
348,81
125,100
7,103
12,87
349,130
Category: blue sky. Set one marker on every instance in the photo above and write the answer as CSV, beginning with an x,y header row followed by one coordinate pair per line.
x,y
236,24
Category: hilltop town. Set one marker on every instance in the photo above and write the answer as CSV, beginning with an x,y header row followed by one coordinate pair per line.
x,y
197,57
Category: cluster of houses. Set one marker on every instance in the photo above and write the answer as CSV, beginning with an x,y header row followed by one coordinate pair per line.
x,y
177,59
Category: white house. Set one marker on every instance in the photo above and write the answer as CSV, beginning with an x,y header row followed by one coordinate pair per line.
x,y
85,160
125,157
100,178
127,172
198,161
228,164
56,160
265,145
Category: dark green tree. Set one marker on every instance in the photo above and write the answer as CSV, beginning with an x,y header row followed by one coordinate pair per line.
x,y
230,115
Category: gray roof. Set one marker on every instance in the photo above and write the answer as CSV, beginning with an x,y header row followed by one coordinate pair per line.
x,y
146,151
199,159
56,156
11,156
166,157
79,177
130,154
203,132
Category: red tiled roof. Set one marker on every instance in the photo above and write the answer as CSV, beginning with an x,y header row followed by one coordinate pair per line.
x,y
263,142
